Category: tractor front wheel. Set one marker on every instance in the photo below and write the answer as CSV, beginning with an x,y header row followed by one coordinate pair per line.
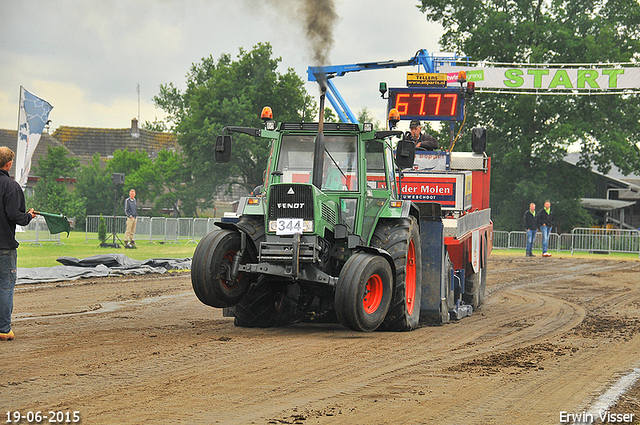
x,y
211,270
363,293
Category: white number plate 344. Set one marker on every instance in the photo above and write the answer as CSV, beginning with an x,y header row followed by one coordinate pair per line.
x,y
288,226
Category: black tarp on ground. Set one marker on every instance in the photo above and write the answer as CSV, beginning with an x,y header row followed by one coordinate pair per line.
x,y
100,266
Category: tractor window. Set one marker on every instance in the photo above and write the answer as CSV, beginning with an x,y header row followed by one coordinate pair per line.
x,y
340,161
376,173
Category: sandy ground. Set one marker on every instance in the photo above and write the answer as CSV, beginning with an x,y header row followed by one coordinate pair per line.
x,y
553,336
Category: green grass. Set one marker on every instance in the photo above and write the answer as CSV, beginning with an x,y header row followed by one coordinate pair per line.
x,y
75,246
30,256
567,254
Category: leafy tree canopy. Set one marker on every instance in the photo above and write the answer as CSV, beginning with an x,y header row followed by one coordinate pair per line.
x,y
50,194
227,92
94,186
529,135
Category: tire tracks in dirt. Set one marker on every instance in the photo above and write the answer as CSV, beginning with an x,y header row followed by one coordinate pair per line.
x,y
535,347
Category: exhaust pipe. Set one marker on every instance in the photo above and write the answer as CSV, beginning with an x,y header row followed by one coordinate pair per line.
x,y
318,151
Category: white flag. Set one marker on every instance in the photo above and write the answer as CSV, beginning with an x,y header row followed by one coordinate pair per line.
x,y
32,117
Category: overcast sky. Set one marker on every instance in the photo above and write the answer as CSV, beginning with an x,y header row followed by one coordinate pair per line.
x,y
86,57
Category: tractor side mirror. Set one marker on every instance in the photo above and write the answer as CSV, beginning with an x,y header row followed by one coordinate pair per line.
x,y
223,149
405,153
478,139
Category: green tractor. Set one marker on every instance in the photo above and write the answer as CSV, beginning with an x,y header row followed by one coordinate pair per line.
x,y
329,237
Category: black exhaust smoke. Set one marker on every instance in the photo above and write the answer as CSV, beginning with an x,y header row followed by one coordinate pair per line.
x,y
318,18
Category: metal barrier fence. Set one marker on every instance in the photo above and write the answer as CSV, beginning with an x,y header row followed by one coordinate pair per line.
x,y
174,230
154,229
580,239
605,240
36,232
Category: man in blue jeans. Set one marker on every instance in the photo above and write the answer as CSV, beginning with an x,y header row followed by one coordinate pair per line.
x,y
11,213
531,224
546,220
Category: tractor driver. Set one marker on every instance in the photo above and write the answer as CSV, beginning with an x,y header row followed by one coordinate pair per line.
x,y
424,141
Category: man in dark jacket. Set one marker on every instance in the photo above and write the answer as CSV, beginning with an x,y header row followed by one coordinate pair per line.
x,y
531,225
424,141
546,221
11,213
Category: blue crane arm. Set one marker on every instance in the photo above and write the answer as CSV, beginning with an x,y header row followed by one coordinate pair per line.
x,y
422,58
323,74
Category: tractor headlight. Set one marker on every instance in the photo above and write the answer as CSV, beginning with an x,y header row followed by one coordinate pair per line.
x,y
307,226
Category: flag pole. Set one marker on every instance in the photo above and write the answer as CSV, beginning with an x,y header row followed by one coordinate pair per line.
x,y
15,172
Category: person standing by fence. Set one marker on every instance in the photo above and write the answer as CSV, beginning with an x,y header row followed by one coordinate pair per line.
x,y
11,213
531,225
131,211
546,220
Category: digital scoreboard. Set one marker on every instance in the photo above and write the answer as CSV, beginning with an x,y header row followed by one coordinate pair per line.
x,y
428,103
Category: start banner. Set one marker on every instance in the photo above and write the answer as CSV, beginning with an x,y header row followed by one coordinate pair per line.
x,y
552,78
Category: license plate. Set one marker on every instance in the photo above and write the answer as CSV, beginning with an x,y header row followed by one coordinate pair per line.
x,y
288,226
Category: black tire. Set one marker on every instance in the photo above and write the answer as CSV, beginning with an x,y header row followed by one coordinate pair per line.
x,y
475,283
401,239
253,226
363,293
212,259
267,304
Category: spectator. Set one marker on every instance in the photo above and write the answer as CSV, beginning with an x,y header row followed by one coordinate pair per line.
x,y
546,220
131,211
531,225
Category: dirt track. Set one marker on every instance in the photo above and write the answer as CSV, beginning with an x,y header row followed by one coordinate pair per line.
x,y
553,336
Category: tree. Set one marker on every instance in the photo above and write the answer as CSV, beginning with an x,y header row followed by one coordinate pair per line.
x,y
156,125
529,135
166,182
129,164
330,116
50,194
162,181
102,229
365,116
227,92
95,188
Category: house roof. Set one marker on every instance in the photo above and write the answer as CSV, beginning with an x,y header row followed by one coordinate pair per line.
x,y
604,204
629,181
9,138
85,142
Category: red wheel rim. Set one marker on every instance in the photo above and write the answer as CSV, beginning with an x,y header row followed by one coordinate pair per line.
x,y
373,294
227,260
410,278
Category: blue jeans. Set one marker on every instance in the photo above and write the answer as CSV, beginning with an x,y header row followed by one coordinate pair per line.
x,y
8,274
546,231
531,236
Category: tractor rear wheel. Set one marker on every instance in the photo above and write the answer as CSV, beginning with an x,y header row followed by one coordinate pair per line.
x,y
267,304
211,268
401,239
363,293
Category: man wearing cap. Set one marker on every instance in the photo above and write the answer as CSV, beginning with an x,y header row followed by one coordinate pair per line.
x,y
424,141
